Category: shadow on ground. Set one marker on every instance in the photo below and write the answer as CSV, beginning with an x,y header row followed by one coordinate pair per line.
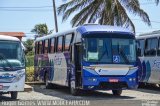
x,y
64,93
149,88
6,98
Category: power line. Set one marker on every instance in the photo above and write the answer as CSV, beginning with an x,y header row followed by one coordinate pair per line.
x,y
147,3
158,22
50,6
29,10
29,7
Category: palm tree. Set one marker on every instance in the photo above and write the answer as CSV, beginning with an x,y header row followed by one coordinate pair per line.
x,y
41,29
107,12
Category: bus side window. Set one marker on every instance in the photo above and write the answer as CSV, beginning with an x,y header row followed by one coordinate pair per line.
x,y
140,47
52,43
40,47
151,46
60,44
68,41
43,47
158,49
49,45
46,46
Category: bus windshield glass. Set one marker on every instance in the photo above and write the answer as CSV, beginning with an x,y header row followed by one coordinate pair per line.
x,y
109,50
11,54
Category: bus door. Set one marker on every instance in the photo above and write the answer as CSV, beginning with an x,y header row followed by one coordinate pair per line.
x,y
78,63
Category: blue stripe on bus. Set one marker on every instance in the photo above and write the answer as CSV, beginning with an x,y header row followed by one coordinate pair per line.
x,y
143,70
148,71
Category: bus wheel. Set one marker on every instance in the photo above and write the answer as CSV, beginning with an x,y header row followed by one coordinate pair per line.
x,y
48,85
117,92
14,95
73,89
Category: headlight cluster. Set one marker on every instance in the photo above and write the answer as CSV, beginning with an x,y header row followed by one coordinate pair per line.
x,y
19,75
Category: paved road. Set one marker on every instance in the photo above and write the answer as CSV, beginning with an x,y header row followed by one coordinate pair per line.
x,y
139,97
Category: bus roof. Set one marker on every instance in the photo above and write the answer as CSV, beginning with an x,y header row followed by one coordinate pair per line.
x,y
9,38
102,28
149,35
89,28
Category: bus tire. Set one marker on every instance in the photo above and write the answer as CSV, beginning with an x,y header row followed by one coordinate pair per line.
x,y
73,89
14,95
117,92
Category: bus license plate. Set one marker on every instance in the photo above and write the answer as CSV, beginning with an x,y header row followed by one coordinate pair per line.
x,y
1,87
113,80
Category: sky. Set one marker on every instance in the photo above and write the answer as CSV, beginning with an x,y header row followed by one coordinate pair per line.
x,y
23,15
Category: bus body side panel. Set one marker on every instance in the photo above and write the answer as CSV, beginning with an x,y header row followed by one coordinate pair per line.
x,y
150,69
60,68
41,66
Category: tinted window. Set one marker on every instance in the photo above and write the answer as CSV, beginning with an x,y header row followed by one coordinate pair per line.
x,y
46,46
52,45
158,49
59,49
40,47
140,47
68,40
151,47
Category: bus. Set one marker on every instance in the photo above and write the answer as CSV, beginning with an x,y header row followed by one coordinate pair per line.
x,y
148,51
88,57
12,66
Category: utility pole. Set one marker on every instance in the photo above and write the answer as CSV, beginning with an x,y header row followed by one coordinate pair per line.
x,y
55,16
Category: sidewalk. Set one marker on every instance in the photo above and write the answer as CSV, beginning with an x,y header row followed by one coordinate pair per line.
x,y
28,88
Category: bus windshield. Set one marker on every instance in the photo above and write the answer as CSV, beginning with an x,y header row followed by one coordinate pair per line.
x,y
11,54
109,50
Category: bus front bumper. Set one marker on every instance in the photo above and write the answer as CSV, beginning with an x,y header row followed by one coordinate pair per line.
x,y
109,83
14,86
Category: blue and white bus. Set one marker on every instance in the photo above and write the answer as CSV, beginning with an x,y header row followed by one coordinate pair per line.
x,y
148,51
12,66
89,57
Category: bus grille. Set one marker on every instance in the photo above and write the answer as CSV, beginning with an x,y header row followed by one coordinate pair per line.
x,y
111,85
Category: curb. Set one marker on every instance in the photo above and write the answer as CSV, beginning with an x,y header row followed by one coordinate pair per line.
x,y
35,83
28,88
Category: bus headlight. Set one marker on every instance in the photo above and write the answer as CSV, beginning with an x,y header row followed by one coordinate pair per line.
x,y
92,79
132,79
18,76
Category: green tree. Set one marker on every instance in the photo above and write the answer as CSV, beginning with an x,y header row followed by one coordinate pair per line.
x,y
107,12
29,46
41,29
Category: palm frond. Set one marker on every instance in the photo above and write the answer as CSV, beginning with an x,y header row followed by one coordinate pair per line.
x,y
64,6
78,6
134,8
157,2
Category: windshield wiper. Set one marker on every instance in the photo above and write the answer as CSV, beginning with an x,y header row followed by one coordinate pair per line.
x,y
3,58
123,55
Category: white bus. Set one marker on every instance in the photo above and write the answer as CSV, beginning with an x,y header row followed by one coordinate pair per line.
x,y
12,66
148,51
